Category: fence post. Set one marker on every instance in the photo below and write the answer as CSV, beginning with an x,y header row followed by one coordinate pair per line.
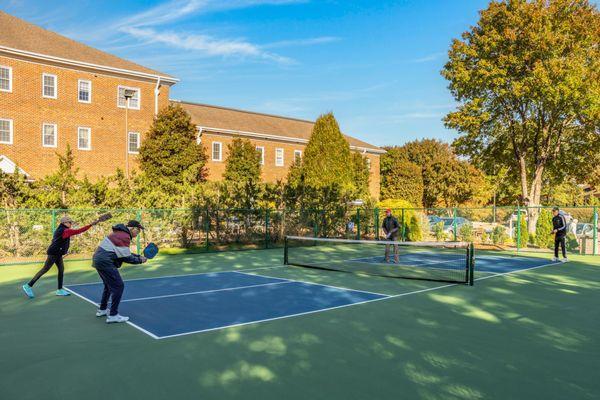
x,y
595,245
358,223
518,228
53,220
267,211
403,227
207,228
376,216
138,216
454,224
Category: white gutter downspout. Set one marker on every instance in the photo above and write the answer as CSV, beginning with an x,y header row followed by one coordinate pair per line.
x,y
156,93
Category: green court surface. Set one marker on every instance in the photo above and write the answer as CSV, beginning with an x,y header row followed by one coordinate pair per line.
x,y
532,334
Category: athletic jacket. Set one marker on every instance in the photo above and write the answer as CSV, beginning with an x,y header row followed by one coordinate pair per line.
x,y
390,224
61,240
114,250
559,223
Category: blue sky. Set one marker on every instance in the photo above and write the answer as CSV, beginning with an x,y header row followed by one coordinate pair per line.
x,y
375,64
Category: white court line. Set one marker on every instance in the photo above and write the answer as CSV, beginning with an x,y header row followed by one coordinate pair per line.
x,y
152,335
272,319
176,276
320,284
515,271
386,297
283,281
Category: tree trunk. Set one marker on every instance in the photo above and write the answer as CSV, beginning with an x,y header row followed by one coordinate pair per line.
x,y
534,201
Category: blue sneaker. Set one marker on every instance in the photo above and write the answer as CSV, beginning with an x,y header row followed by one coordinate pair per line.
x,y
62,292
28,291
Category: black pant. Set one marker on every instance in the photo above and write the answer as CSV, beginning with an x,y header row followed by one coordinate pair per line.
x,y
560,240
113,289
50,261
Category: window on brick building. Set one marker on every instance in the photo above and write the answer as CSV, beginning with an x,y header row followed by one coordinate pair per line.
x,y
49,135
279,157
49,86
261,150
134,102
5,79
84,138
369,163
134,143
84,94
6,131
216,151
297,155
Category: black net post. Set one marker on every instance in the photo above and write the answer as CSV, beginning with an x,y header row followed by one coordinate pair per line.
x,y
471,263
285,251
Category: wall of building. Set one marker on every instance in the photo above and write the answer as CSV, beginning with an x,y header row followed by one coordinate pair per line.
x,y
29,110
271,172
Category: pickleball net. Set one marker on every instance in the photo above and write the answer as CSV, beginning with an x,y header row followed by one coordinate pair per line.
x,y
434,261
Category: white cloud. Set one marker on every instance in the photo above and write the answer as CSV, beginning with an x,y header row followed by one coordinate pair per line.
x,y
428,58
205,44
301,42
175,10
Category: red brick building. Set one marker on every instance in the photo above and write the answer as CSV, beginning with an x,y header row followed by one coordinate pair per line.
x,y
55,91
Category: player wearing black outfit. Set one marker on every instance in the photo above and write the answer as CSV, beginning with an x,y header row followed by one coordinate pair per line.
x,y
390,227
559,226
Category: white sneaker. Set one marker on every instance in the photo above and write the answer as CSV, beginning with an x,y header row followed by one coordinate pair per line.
x,y
101,313
555,259
115,319
564,260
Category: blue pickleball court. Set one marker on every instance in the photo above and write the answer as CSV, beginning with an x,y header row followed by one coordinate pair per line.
x,y
179,305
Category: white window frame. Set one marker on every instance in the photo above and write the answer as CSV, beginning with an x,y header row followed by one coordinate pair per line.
x,y
44,125
137,134
139,92
79,91
10,79
261,149
10,130
369,163
89,133
212,151
279,150
44,75
297,154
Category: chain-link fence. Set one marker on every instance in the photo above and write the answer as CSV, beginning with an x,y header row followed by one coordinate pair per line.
x,y
25,233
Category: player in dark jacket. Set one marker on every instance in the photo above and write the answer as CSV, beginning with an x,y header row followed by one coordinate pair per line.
x,y
61,240
559,226
112,252
390,227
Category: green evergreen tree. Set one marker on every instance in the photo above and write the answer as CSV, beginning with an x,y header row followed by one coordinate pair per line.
x,y
414,229
170,151
543,231
400,178
524,233
362,174
328,176
242,174
327,156
54,189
